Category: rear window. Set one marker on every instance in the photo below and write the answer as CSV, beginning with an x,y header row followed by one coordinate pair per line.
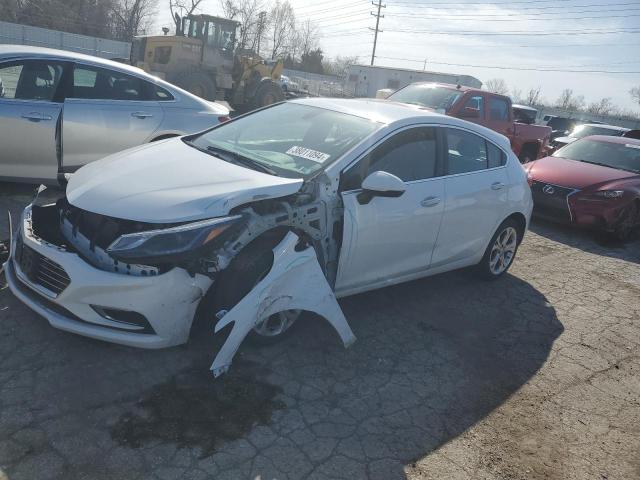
x,y
427,95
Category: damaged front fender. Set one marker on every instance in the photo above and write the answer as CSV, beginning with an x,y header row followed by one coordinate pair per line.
x,y
295,282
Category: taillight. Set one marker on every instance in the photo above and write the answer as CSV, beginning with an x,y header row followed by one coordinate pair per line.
x,y
224,118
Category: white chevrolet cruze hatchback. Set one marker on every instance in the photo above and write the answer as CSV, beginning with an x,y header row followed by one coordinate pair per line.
x,y
276,212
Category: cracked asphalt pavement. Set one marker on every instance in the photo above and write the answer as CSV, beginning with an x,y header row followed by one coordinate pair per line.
x,y
536,375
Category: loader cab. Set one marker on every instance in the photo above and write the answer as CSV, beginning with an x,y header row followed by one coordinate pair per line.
x,y
215,32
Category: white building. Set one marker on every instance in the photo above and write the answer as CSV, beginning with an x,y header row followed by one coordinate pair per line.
x,y
366,80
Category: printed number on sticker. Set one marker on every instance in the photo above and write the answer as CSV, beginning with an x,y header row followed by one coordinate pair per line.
x,y
309,154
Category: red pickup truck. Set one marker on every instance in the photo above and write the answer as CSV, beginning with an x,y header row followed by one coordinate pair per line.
x,y
491,110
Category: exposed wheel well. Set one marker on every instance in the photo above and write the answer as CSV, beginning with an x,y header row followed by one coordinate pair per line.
x,y
208,304
521,220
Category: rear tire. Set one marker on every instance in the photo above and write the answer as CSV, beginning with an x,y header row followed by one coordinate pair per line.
x,y
198,83
268,93
501,252
244,272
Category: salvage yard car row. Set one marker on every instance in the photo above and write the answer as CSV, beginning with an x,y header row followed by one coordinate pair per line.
x,y
287,208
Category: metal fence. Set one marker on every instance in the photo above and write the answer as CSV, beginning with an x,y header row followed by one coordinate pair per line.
x,y
320,85
12,33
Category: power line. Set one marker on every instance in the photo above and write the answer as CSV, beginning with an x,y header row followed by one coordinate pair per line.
x,y
535,19
377,29
447,6
543,33
501,67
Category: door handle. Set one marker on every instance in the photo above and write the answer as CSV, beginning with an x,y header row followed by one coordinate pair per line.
x,y
430,201
141,115
36,117
497,186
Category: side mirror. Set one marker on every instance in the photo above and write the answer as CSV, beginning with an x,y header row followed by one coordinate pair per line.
x,y
380,184
469,112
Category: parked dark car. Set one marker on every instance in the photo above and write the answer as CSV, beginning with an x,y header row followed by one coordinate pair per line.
x,y
593,182
561,126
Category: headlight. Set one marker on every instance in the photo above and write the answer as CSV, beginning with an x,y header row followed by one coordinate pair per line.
x,y
609,193
174,241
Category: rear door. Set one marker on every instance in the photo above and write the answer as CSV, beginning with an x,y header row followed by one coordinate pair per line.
x,y
30,106
106,111
476,187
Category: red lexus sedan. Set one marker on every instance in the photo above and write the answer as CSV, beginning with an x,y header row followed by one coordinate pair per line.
x,y
592,182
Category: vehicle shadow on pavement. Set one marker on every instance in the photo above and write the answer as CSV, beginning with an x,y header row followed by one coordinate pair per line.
x,y
596,242
433,358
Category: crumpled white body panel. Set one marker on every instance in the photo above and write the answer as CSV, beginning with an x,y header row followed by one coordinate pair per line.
x,y
295,282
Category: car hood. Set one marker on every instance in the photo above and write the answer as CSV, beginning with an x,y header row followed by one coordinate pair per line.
x,y
170,182
572,173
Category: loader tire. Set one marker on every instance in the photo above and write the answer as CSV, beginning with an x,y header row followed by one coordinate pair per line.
x,y
198,83
268,93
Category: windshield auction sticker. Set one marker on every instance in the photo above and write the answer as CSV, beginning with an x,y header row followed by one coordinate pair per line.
x,y
309,154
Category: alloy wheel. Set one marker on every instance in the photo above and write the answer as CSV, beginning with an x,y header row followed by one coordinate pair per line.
x,y
503,250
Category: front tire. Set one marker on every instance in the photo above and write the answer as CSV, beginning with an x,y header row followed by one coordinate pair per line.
x,y
244,272
630,221
198,83
267,93
501,252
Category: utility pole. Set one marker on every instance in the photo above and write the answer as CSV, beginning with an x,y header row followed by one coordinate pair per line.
x,y
262,20
425,65
378,17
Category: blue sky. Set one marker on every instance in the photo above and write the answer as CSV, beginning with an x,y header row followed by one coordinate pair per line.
x,y
601,35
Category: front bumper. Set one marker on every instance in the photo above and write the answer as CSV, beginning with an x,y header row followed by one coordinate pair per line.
x,y
168,301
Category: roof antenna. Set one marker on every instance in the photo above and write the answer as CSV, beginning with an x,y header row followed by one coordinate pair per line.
x,y
458,86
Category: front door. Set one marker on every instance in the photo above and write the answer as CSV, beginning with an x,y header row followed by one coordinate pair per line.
x,y
387,238
106,111
476,200
499,116
29,110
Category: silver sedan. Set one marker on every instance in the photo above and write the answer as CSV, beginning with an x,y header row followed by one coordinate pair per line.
x,y
60,110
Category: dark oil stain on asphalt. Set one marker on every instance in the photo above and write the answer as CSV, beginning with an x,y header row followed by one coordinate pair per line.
x,y
193,409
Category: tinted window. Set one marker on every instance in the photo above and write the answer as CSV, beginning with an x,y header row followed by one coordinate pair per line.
x,y
158,93
30,80
498,109
103,84
477,103
410,155
496,157
467,152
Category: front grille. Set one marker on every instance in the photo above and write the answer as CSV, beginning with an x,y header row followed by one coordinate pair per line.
x,y
551,200
40,270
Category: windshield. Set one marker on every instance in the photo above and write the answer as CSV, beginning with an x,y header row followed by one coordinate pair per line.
x,y
427,95
615,155
288,139
585,130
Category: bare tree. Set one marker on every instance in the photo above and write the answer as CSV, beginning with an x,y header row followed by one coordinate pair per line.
x,y
497,85
516,94
635,94
339,65
533,96
182,8
569,101
281,26
132,17
602,107
252,20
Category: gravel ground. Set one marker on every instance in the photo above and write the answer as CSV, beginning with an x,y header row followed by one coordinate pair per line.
x,y
534,376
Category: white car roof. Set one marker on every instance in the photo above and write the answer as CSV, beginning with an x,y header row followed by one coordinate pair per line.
x,y
398,114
